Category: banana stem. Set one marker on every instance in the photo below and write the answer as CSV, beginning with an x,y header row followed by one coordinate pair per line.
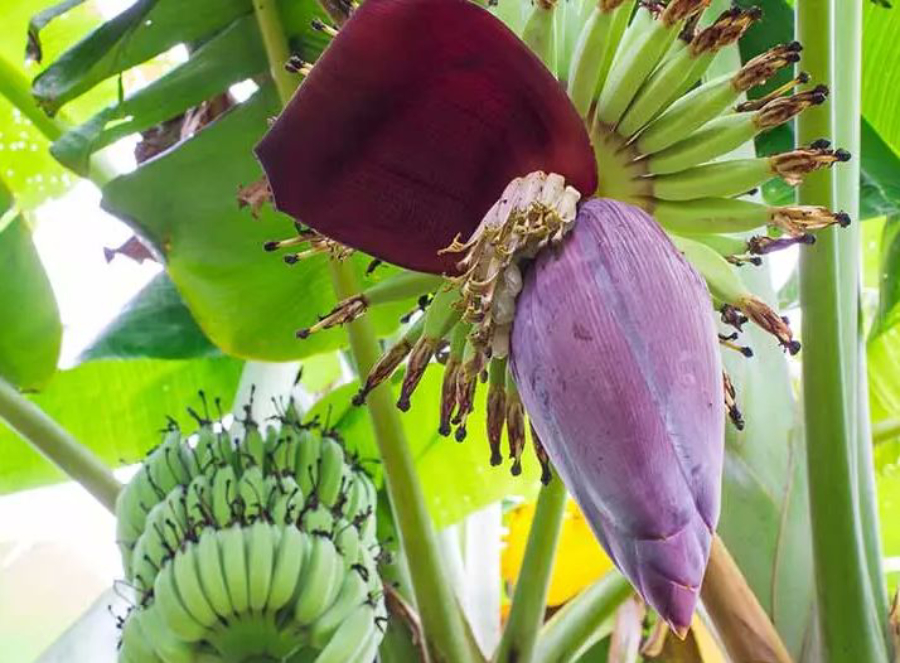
x,y
530,597
58,446
847,47
570,628
442,621
14,86
850,628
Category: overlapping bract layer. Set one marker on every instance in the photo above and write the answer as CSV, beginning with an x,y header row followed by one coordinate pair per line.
x,y
250,549
411,125
618,367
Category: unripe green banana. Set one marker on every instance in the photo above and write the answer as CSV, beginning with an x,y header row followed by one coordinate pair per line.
x,y
293,551
595,50
143,567
212,575
253,493
717,137
224,491
720,179
318,521
167,647
198,505
710,215
287,502
253,448
351,638
282,449
134,644
308,462
260,542
352,593
187,581
234,566
632,65
315,583
539,33
331,470
347,542
687,114
172,609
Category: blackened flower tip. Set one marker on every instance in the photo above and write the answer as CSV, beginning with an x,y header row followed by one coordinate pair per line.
x,y
842,154
843,219
302,333
461,433
270,246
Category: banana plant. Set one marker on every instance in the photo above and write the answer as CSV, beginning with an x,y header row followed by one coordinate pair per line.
x,y
549,198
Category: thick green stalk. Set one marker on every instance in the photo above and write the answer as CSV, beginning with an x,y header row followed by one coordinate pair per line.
x,y
530,597
14,86
847,96
842,575
570,628
442,621
58,446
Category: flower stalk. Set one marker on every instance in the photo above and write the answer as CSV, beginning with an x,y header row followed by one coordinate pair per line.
x,y
58,446
442,621
570,628
530,598
850,627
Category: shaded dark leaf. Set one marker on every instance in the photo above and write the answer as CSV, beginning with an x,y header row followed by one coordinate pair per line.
x,y
155,324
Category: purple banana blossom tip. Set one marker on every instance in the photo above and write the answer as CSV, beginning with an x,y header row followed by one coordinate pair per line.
x,y
615,355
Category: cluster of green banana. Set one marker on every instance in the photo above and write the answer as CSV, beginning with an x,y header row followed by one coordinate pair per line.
x,y
662,130
256,549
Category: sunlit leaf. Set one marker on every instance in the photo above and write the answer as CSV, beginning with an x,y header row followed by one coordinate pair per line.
x,y
25,163
30,332
117,409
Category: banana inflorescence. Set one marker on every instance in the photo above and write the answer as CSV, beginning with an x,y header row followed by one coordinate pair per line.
x,y
250,549
662,131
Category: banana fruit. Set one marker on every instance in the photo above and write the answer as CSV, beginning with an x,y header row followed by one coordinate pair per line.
x,y
254,548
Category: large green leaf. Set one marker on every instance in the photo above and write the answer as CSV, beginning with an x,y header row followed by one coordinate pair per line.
x,y
248,302
145,29
117,409
765,518
881,72
456,477
25,163
883,347
227,57
30,332
154,324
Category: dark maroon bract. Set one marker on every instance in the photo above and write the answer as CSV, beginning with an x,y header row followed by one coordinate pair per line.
x,y
411,125
615,355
